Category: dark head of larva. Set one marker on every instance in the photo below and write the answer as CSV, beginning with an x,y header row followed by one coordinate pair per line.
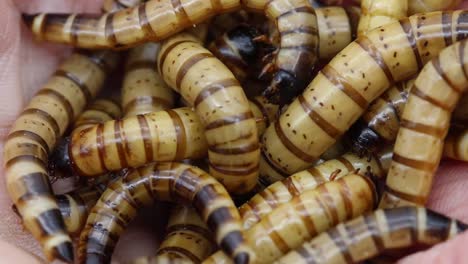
x,y
243,37
59,160
362,139
283,88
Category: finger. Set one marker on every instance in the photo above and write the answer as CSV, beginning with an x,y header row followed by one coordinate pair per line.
x,y
13,254
59,6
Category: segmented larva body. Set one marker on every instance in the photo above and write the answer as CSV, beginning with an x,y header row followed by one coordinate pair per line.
x,y
380,123
34,134
376,13
115,5
175,182
343,89
187,237
131,142
143,90
456,144
264,112
282,192
98,112
424,6
424,125
206,84
306,215
374,233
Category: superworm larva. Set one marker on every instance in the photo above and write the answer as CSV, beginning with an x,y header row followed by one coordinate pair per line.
x,y
34,134
376,13
374,233
424,6
206,84
380,123
306,215
456,144
343,89
187,236
282,192
424,125
143,90
174,182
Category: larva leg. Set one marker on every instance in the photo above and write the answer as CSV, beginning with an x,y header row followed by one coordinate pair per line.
x,y
370,235
422,6
264,112
281,192
34,134
218,99
380,123
306,215
174,182
424,125
343,89
377,13
456,145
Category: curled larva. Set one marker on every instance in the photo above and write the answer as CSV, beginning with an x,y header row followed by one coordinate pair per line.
x,y
35,133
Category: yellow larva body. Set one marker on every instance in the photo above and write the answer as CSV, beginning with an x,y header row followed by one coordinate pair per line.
x,y
115,5
424,125
373,234
34,134
422,6
281,192
344,88
143,90
98,112
306,215
456,144
206,84
175,182
376,13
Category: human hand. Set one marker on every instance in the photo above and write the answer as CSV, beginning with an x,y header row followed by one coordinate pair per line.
x,y
25,65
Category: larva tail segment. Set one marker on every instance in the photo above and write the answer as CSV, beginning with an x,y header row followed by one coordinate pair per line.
x,y
35,133
341,92
367,236
175,182
424,125
222,106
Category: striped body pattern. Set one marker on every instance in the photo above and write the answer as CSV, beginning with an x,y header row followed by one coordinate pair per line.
x,y
187,237
307,215
98,112
264,112
35,133
135,141
424,6
175,182
374,233
143,90
219,100
456,144
343,89
282,192
377,13
424,125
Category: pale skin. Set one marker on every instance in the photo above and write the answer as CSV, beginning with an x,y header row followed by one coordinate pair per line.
x,y
25,65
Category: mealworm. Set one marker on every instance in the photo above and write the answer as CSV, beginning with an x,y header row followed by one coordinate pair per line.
x,y
307,215
456,145
380,123
143,90
423,6
187,237
374,233
35,133
206,84
424,125
343,89
376,13
175,182
282,192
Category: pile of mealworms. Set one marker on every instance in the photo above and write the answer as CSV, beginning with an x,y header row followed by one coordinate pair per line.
x,y
281,131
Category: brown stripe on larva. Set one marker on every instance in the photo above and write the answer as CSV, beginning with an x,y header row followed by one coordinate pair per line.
x,y
253,146
422,128
140,64
419,93
180,13
416,164
262,110
179,251
234,171
373,52
390,104
405,196
289,184
269,197
461,51
290,145
205,233
181,134
302,9
30,135
300,29
273,165
169,49
340,244
447,27
346,163
100,144
147,100
335,78
28,158
345,193
374,230
35,184
123,195
144,22
305,216
212,88
74,28
278,241
408,29
324,195
441,72
188,64
229,120
46,117
318,119
81,85
62,99
317,174
146,136
119,144
109,32
462,28
437,226
306,256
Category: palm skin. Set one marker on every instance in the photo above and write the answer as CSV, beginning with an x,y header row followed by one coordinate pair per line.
x,y
25,65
